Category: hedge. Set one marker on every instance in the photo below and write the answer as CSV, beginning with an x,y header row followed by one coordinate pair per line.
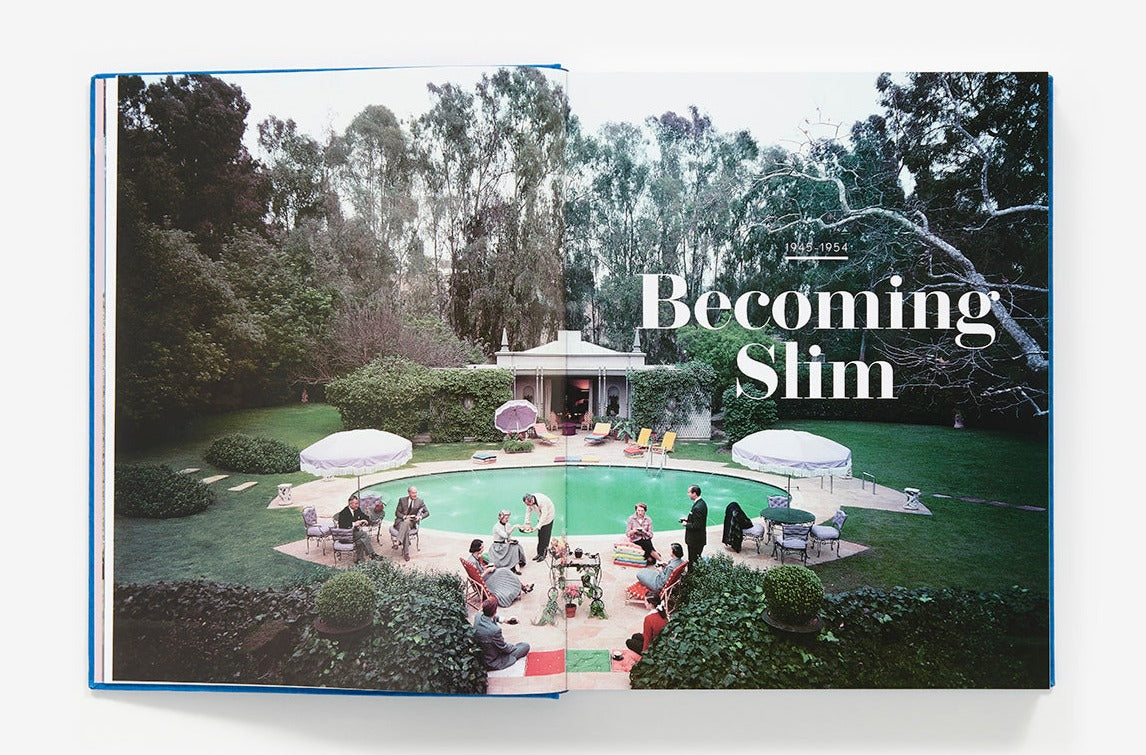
x,y
421,640
157,492
921,638
409,399
252,455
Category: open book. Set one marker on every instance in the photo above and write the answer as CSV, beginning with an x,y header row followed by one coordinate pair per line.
x,y
517,381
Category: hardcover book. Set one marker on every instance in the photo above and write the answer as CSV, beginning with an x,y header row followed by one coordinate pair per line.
x,y
515,380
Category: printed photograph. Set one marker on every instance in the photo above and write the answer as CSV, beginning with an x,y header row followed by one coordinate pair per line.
x,y
519,380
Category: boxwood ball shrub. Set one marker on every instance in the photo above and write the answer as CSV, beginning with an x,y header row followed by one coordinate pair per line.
x,y
346,600
157,492
794,594
252,455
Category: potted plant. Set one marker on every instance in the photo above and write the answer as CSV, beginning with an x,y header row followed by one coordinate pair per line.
x,y
573,598
345,604
793,595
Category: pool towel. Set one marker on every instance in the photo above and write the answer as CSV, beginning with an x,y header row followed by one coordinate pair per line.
x,y
576,459
484,457
626,553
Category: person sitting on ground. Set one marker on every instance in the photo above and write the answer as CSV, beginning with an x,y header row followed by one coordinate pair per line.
x,y
735,522
655,579
499,580
352,517
639,530
505,550
654,622
496,653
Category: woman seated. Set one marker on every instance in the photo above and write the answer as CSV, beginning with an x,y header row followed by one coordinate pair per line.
x,y
500,581
639,530
505,550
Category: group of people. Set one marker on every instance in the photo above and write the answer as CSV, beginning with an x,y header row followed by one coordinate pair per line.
x,y
639,528
411,510
502,566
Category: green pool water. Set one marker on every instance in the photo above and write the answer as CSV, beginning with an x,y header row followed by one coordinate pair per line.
x,y
591,500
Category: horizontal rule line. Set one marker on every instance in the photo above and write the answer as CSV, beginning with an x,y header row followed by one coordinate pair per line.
x,y
793,257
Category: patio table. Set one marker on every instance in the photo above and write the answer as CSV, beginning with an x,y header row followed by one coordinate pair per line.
x,y
787,516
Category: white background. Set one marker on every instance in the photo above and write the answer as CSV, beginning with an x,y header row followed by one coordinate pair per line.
x,y
51,53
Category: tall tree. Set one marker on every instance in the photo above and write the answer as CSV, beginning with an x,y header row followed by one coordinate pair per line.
x,y
975,147
182,159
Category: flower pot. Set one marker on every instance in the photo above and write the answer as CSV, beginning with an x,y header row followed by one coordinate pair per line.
x,y
570,610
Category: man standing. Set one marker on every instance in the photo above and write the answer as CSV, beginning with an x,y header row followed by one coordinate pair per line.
x,y
542,504
352,517
694,525
496,653
411,510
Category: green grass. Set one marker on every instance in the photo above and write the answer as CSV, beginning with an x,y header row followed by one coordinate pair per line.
x,y
961,545
970,545
972,463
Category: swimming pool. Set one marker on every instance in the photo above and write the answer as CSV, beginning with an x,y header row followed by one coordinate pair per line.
x,y
589,500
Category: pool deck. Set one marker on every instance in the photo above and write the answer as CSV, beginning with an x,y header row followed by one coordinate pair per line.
x,y
440,551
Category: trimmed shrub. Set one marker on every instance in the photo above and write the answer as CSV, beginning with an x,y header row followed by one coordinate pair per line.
x,y
665,399
899,638
252,455
421,640
408,399
157,492
346,600
793,594
744,416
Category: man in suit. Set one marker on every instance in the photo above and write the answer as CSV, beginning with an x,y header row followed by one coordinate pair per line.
x,y
411,510
352,517
655,579
694,525
496,653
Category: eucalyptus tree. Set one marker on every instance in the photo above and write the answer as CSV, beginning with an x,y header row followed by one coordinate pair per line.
x,y
491,161
970,152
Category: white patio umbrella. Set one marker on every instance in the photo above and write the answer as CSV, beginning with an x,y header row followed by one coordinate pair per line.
x,y
793,453
515,416
356,452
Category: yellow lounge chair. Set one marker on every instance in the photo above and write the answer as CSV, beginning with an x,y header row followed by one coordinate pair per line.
x,y
600,432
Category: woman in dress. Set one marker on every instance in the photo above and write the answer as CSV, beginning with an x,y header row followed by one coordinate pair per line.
x,y
504,550
639,530
500,581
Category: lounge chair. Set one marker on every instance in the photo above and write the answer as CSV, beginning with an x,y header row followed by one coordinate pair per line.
x,y
641,445
662,449
600,433
543,434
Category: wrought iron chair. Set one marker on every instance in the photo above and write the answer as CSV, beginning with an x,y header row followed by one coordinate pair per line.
x,y
793,539
343,542
775,502
829,532
314,531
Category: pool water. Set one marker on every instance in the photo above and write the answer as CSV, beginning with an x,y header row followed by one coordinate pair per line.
x,y
589,500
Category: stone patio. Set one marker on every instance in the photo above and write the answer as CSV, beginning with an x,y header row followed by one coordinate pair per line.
x,y
441,550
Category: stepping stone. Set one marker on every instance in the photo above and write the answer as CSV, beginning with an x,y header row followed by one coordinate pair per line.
x,y
939,495
244,486
216,478
189,470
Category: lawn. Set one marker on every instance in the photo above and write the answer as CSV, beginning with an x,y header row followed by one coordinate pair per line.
x,y
970,545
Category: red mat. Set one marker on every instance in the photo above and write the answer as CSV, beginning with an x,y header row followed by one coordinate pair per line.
x,y
628,660
545,663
